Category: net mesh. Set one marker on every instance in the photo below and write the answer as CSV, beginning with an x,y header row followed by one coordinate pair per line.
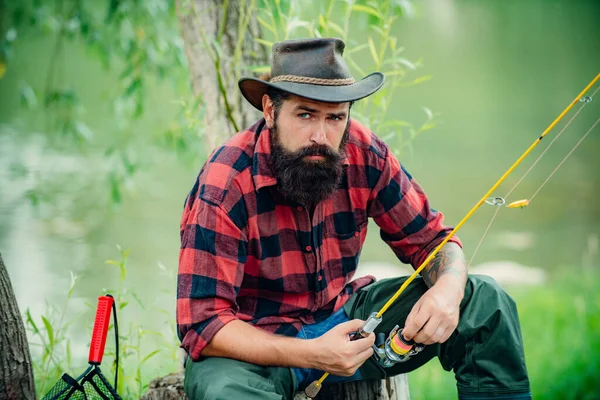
x,y
91,385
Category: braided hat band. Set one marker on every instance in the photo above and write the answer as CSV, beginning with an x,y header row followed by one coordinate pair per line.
x,y
314,81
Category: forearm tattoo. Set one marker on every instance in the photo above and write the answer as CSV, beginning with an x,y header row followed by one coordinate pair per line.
x,y
449,260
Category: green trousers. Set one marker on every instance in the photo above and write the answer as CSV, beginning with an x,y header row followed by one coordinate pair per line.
x,y
485,351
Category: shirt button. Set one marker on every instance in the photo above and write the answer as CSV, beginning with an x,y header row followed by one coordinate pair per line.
x,y
299,208
355,234
308,248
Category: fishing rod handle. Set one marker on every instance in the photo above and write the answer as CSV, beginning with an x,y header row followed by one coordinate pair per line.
x,y
367,328
100,330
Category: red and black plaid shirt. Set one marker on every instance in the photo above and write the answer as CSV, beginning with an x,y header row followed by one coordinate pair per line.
x,y
247,253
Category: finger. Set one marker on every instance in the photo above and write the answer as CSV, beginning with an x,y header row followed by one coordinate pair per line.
x,y
414,322
350,326
447,333
359,359
364,356
428,331
438,334
362,344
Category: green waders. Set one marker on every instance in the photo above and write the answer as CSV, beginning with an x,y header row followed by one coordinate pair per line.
x,y
485,352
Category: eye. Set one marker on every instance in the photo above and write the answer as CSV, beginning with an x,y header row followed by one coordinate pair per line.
x,y
304,116
336,118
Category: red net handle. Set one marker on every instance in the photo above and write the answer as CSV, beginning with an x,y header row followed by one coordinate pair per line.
x,y
100,329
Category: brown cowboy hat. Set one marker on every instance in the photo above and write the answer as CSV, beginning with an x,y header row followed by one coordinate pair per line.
x,y
311,68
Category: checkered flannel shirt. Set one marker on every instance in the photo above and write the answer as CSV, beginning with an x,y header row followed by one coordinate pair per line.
x,y
247,253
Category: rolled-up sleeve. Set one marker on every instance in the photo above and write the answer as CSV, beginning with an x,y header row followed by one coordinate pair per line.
x,y
401,209
211,267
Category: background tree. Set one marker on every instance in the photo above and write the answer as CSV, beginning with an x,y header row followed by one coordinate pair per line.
x,y
16,375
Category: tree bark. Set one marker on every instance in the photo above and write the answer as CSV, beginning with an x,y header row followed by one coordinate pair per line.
x,y
214,64
16,374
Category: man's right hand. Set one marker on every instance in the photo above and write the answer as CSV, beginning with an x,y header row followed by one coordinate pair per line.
x,y
337,354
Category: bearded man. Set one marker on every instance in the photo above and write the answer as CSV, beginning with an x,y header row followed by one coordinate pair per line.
x,y
270,240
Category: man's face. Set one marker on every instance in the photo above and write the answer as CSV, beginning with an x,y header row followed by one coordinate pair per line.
x,y
303,123
307,147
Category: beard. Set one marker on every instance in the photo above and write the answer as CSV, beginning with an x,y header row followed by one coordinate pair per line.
x,y
304,181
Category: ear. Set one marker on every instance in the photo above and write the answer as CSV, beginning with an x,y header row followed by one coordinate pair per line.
x,y
268,111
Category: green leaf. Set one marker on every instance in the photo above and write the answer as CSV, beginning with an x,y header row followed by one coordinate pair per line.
x,y
115,190
69,353
33,197
429,113
135,296
336,28
49,330
396,123
260,69
422,79
373,50
393,42
127,71
31,322
357,48
322,21
264,42
405,62
28,97
298,23
378,30
149,356
72,286
135,84
394,73
367,9
267,25
83,131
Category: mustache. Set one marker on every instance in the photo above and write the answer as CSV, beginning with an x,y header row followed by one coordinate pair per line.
x,y
317,150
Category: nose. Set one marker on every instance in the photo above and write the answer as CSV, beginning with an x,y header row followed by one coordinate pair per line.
x,y
319,135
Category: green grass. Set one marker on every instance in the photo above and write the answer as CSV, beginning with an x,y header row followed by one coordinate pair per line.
x,y
560,322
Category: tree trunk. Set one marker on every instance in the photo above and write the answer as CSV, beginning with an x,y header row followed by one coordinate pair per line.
x,y
218,55
16,375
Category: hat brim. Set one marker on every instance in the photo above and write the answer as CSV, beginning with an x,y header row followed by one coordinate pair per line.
x,y
253,89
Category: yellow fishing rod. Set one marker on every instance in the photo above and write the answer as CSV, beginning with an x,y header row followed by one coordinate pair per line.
x,y
371,323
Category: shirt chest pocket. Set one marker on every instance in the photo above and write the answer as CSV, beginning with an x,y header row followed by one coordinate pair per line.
x,y
345,235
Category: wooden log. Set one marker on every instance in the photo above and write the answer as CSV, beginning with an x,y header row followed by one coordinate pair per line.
x,y
170,387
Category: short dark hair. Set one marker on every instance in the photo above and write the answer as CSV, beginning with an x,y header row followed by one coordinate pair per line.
x,y
278,96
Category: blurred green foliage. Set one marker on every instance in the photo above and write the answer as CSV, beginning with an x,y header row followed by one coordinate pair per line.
x,y
136,41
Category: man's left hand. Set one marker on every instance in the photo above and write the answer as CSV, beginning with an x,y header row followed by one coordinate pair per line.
x,y
435,316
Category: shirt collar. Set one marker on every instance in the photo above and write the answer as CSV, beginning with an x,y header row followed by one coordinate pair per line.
x,y
262,169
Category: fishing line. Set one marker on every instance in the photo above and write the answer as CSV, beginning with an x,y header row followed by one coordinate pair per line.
x,y
499,201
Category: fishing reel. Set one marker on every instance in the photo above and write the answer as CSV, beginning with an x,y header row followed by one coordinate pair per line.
x,y
395,349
